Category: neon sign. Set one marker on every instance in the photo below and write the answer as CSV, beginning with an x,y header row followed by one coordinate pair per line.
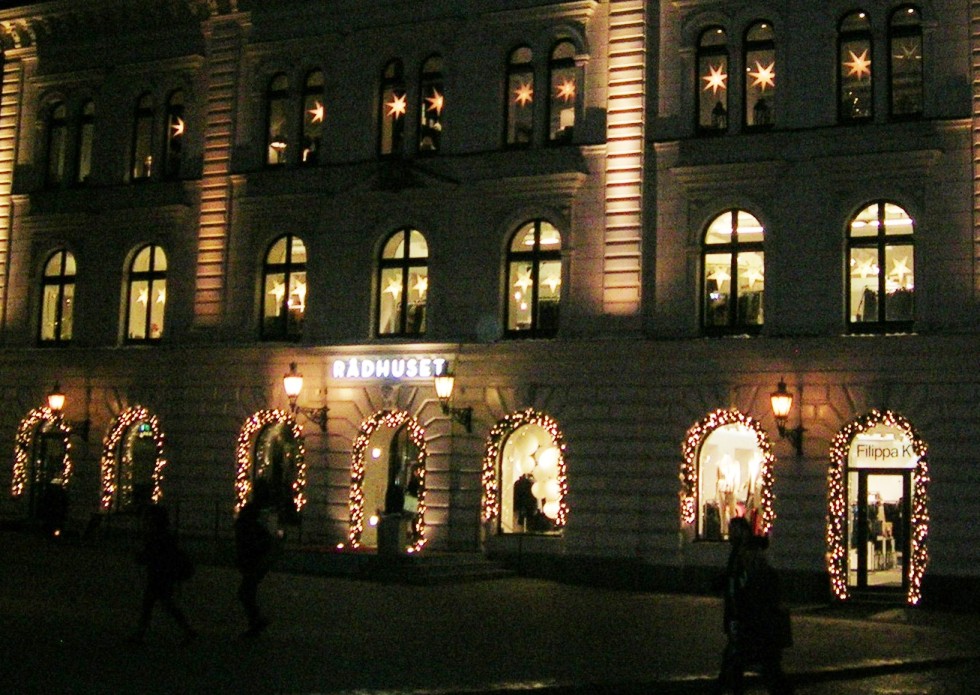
x,y
389,367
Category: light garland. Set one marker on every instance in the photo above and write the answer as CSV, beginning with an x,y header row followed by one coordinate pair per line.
x,y
110,450
689,467
393,419
490,505
23,444
243,456
837,504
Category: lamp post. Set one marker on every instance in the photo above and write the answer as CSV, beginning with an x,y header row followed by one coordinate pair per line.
x,y
56,403
781,401
292,384
444,384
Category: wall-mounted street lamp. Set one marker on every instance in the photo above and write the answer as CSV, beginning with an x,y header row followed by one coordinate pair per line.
x,y
292,384
444,389
782,402
56,403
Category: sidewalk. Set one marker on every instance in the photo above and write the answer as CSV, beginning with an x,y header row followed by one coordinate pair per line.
x,y
66,610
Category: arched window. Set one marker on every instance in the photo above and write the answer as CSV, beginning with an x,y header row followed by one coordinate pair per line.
x,y
733,274
712,82
142,164
86,140
403,284
174,136
57,142
530,488
431,105
854,57
520,98
905,63
760,75
284,289
277,113
313,114
132,462
57,298
565,81
881,269
271,449
392,109
533,280
146,295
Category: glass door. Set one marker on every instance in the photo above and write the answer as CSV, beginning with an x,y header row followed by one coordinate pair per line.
x,y
879,505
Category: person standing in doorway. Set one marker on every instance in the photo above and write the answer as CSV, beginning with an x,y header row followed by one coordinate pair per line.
x,y
255,550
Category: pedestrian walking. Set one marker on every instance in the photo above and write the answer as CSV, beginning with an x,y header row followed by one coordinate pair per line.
x,y
757,626
166,565
255,551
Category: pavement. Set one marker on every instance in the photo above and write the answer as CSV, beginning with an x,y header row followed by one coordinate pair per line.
x,y
67,607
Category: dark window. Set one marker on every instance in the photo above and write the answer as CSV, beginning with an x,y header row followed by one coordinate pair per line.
x,y
86,140
277,114
533,281
403,284
57,298
57,141
881,269
733,272
905,63
142,164
284,289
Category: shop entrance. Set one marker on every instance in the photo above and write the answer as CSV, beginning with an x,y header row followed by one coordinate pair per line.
x,y
392,479
879,529
46,486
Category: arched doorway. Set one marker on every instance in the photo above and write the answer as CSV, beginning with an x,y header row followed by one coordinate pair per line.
x,y
132,464
271,447
42,467
388,479
878,507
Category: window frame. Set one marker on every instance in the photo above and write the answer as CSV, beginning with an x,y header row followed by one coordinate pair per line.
x,y
173,137
881,242
85,142
535,258
560,65
61,282
152,277
144,115
288,269
847,37
55,144
431,77
897,32
405,263
734,322
391,131
720,121
313,107
276,111
519,70
750,47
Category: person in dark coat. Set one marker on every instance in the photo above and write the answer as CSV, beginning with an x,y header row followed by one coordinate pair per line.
x,y
255,549
755,623
166,565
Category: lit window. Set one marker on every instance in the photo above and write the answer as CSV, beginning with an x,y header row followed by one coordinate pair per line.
x,y
431,106
532,479
86,138
533,281
520,98
57,298
392,109
278,460
284,289
146,295
854,57
313,115
566,86
733,274
881,269
712,81
57,133
174,137
134,469
760,75
403,284
142,164
905,63
277,107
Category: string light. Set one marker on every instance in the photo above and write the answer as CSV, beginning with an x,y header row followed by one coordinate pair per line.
x,y
243,456
110,450
689,467
393,419
23,444
495,441
837,555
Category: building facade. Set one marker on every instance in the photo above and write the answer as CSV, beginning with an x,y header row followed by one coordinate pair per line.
x,y
627,229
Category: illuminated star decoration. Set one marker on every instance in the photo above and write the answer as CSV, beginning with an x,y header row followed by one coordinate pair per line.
x,y
316,113
436,102
178,127
753,276
901,268
720,276
397,106
144,296
524,94
910,51
524,281
859,65
566,90
422,286
394,288
161,296
715,79
866,268
764,76
278,291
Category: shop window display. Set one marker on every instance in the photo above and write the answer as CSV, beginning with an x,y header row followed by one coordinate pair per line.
x,y
403,284
284,289
534,280
132,462
58,298
146,295
881,269
733,274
